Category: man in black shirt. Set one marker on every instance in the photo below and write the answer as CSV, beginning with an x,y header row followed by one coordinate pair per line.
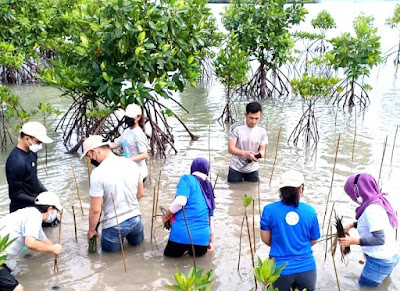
x,y
21,166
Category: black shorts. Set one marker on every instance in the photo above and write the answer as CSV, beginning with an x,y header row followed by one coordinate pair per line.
x,y
7,281
175,250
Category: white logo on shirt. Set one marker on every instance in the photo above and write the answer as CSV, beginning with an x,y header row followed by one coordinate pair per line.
x,y
33,164
292,218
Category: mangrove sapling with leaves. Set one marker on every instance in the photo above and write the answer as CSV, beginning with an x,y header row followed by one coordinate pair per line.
x,y
310,88
138,53
323,22
231,67
394,22
194,281
262,28
356,55
266,273
5,242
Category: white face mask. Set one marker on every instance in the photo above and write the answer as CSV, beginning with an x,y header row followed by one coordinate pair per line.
x,y
35,147
51,217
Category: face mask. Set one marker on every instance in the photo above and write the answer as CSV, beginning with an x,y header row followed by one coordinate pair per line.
x,y
93,161
51,217
129,121
35,147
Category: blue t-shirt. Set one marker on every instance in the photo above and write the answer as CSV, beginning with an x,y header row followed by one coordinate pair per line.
x,y
292,230
197,214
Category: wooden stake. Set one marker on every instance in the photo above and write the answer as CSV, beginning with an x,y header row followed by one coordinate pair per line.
x,y
383,157
259,199
394,143
240,243
158,193
333,175
73,213
251,247
119,232
254,229
355,134
334,265
215,183
58,241
152,215
190,237
77,188
327,230
276,154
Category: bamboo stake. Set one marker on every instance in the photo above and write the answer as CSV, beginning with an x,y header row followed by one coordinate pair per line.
x,y
240,243
276,154
251,247
383,157
394,143
333,175
190,237
259,198
334,264
254,229
152,216
327,230
73,213
77,188
58,241
355,134
215,183
119,233
158,193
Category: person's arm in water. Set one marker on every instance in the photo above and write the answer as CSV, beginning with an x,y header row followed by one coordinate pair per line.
x,y
42,246
266,237
233,150
94,215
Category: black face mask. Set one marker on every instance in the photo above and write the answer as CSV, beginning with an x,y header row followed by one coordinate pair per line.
x,y
94,162
129,121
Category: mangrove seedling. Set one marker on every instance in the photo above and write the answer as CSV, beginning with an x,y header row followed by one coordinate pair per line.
x,y
194,281
5,242
266,273
394,22
246,202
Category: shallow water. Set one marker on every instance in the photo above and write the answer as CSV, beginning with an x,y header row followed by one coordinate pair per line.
x,y
147,269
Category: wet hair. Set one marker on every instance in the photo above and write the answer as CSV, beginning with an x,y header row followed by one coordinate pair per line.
x,y
42,208
290,195
253,107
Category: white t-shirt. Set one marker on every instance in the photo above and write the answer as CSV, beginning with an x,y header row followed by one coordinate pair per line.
x,y
119,177
375,218
134,142
247,139
20,224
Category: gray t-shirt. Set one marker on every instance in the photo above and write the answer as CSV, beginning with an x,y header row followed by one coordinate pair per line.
x,y
247,139
119,177
134,142
20,224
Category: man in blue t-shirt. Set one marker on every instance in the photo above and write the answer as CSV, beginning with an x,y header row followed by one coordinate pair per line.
x,y
290,228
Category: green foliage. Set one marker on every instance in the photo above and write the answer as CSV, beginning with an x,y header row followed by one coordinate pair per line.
x,y
308,35
310,86
154,46
263,27
11,108
357,54
194,281
266,273
246,200
394,21
5,242
323,21
9,57
47,112
232,63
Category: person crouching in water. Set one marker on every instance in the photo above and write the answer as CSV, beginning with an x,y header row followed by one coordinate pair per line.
x,y
290,228
376,224
25,227
195,193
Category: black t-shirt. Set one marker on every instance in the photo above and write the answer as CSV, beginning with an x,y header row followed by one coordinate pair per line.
x,y
23,183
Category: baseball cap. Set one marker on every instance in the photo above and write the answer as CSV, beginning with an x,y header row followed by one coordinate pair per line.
x,y
133,110
37,130
49,198
92,142
291,178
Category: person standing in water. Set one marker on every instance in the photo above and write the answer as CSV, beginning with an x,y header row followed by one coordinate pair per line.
x,y
376,223
133,140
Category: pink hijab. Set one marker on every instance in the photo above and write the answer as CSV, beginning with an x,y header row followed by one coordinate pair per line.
x,y
369,191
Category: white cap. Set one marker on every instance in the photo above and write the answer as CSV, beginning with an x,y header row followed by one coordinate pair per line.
x,y
37,130
133,110
291,178
49,198
92,142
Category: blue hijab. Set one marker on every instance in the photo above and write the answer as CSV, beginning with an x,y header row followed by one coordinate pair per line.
x,y
203,166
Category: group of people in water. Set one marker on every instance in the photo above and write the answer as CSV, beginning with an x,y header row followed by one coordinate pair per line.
x,y
289,226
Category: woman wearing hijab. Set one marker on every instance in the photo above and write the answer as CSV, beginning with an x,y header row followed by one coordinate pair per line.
x,y
196,195
376,224
290,228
